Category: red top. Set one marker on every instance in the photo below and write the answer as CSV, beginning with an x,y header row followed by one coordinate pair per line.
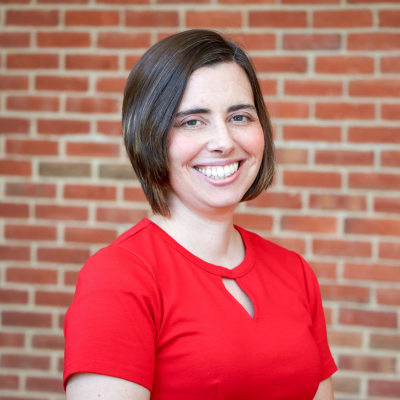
x,y
148,311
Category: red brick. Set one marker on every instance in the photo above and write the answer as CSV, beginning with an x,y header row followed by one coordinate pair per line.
x,y
295,2
121,40
134,194
53,342
342,19
280,64
9,382
312,179
11,210
383,388
61,321
373,41
10,82
71,277
389,18
338,202
89,192
32,61
367,363
95,62
341,248
213,19
62,127
391,111
388,296
32,147
312,133
63,2
291,156
344,65
27,319
324,269
152,19
245,2
268,87
390,64
86,235
288,109
181,1
14,39
116,85
32,17
66,213
345,293
308,223
120,215
253,221
64,83
92,105
125,2
372,226
14,125
345,111
378,319
346,385
50,385
277,200
63,39
8,339
61,255
131,61
21,361
91,18
390,158
297,245
374,181
111,128
345,339
32,103
31,275
255,41
328,316
90,149
375,88
389,342
311,42
278,19
313,88
387,204
31,190
343,157
57,299
17,253
30,232
372,1
375,134
15,168
389,250
12,296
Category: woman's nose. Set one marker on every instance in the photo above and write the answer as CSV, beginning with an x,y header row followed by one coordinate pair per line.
x,y
221,139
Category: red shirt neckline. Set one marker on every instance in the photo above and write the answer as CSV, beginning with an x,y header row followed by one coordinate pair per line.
x,y
242,269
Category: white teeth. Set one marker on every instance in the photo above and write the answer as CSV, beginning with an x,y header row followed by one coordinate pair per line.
x,y
219,172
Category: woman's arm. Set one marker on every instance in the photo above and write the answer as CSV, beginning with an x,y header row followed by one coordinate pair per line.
x,y
325,390
85,386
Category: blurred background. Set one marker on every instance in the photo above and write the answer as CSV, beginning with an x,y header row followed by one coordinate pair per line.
x,y
330,73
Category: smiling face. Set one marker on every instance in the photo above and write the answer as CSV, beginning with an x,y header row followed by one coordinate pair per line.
x,y
216,144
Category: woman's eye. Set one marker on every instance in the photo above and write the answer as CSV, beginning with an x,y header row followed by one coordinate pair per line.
x,y
192,122
239,118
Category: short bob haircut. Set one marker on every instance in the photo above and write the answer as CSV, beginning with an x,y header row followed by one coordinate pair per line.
x,y
152,96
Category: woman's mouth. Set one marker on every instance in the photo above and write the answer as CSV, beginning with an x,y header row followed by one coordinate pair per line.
x,y
220,171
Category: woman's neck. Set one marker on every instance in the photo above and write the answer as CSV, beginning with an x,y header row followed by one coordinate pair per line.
x,y
212,238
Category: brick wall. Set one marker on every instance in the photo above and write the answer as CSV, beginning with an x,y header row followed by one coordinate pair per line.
x,y
330,73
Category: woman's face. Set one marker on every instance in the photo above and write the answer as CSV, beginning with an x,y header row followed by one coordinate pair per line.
x,y
216,144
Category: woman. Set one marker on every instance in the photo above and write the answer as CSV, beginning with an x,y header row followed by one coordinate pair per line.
x,y
186,305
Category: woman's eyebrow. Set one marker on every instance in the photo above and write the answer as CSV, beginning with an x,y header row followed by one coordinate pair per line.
x,y
192,111
241,107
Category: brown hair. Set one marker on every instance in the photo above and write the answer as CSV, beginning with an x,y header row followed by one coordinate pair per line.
x,y
153,93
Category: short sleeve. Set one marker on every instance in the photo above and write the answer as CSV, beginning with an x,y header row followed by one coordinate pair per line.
x,y
111,325
328,366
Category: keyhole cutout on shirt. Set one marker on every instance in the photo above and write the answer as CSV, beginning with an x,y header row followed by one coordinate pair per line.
x,y
239,294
